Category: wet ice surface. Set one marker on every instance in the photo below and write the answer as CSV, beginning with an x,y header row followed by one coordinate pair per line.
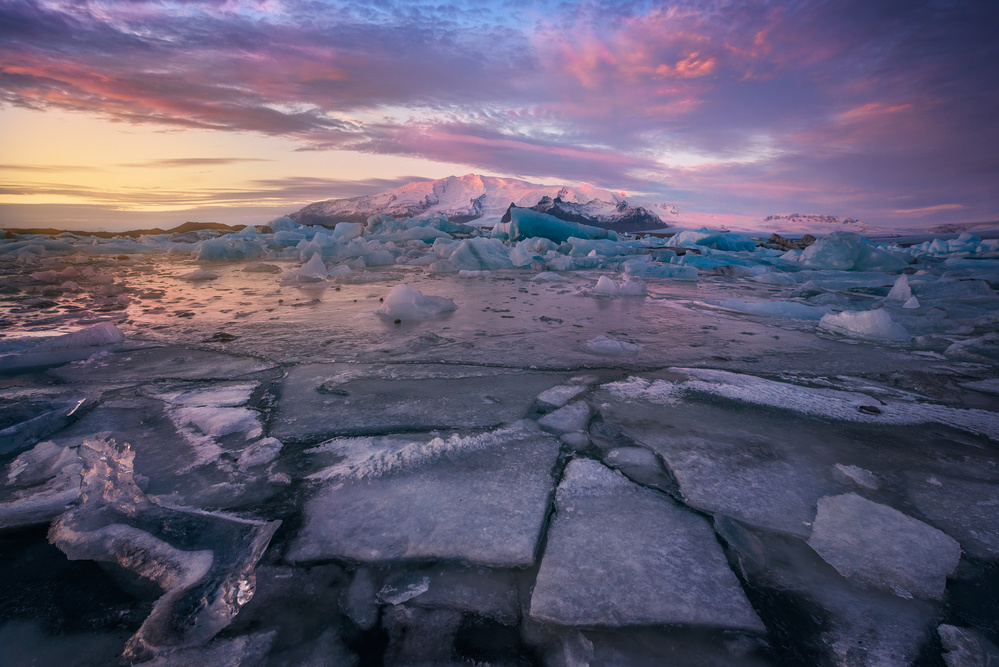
x,y
756,458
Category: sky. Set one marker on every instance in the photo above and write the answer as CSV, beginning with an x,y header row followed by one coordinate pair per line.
x,y
132,113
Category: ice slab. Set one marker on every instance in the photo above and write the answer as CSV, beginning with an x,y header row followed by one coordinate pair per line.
x,y
405,303
775,308
322,400
620,555
814,401
968,510
824,617
483,504
161,363
569,419
204,562
966,647
879,546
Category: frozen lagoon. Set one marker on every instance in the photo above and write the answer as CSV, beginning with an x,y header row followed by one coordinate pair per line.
x,y
724,469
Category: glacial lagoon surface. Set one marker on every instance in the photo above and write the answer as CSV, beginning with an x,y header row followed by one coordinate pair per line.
x,y
415,442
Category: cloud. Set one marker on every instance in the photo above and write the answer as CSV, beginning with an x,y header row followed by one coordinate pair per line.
x,y
194,162
855,102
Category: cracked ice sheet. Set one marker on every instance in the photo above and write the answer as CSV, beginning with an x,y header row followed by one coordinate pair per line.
x,y
483,503
161,363
620,555
323,400
815,402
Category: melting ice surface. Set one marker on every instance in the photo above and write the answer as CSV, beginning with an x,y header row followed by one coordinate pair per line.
x,y
418,442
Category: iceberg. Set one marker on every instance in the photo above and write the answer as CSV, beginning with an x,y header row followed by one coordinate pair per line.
x,y
847,251
526,223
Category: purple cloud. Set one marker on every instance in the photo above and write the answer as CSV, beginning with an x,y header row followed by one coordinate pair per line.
x,y
855,108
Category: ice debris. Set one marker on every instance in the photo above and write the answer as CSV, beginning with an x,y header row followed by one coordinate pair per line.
x,y
876,545
607,287
199,276
611,347
871,324
203,561
103,333
404,302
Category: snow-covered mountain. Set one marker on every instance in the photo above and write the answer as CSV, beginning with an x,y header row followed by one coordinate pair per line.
x,y
484,199
812,222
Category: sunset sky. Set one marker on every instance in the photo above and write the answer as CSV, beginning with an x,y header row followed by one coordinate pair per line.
x,y
130,114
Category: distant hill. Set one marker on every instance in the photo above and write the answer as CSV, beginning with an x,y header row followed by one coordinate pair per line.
x,y
134,233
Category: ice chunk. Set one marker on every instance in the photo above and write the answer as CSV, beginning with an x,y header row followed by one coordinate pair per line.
x,y
219,395
561,394
965,647
199,276
628,287
900,290
611,347
487,593
399,592
570,419
855,475
261,452
404,302
526,223
313,271
826,616
850,252
989,386
260,267
203,562
550,277
481,254
162,363
217,422
980,349
878,546
226,249
55,474
871,324
482,505
775,308
26,422
104,333
967,510
359,601
620,555
325,400
659,270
